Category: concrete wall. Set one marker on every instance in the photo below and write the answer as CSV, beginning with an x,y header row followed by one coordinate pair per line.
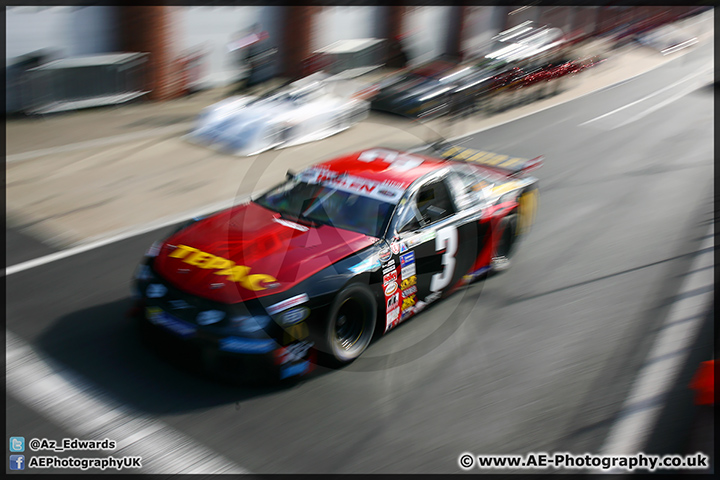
x,y
69,31
344,23
211,29
426,29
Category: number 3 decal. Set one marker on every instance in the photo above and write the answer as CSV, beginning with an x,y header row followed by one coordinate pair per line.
x,y
447,239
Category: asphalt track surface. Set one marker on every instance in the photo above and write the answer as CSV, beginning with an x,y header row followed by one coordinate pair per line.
x,y
537,359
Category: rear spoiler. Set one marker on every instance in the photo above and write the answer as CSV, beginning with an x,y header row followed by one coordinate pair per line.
x,y
511,166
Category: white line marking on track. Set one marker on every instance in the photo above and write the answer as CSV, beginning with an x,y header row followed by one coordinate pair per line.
x,y
86,412
666,357
122,235
99,142
682,80
658,106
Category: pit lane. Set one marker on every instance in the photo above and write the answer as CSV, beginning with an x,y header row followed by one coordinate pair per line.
x,y
536,359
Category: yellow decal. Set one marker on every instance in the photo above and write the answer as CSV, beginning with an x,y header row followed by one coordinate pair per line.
x,y
236,273
451,151
505,187
408,282
483,158
528,208
299,331
408,302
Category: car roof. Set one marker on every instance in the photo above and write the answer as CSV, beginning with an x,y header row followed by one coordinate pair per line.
x,y
385,165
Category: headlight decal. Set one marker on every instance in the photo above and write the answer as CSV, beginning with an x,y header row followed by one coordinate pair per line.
x,y
285,304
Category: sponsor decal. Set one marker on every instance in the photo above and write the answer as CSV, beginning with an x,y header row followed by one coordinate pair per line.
x,y
408,302
408,282
408,271
236,273
407,259
403,247
390,277
419,306
298,331
215,286
506,187
389,266
155,290
289,224
247,345
409,291
391,288
294,315
352,184
421,238
407,313
285,304
208,317
295,369
385,255
392,319
366,265
395,248
393,302
158,317
292,353
179,304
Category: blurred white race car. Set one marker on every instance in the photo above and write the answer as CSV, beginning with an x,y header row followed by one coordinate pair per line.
x,y
307,110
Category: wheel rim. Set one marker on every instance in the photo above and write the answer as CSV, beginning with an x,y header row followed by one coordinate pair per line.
x,y
350,324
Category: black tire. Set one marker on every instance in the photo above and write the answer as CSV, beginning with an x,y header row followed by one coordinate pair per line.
x,y
350,325
502,257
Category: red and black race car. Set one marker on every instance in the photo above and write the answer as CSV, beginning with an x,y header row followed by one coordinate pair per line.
x,y
337,254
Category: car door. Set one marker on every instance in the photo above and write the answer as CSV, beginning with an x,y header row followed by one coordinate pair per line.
x,y
435,245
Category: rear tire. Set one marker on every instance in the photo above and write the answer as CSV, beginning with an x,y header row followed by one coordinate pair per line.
x,y
350,325
505,248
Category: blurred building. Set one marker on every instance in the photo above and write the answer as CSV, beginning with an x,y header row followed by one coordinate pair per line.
x,y
190,44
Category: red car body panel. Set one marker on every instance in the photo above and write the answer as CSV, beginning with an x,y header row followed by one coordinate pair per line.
x,y
384,167
249,251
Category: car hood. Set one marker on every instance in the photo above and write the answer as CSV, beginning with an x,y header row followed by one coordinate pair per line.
x,y
249,251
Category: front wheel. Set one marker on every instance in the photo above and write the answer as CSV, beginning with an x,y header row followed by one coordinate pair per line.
x,y
350,325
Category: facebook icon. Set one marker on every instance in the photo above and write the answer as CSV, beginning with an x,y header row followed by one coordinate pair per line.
x,y
17,462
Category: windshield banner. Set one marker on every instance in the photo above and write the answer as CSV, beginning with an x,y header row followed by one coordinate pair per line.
x,y
347,183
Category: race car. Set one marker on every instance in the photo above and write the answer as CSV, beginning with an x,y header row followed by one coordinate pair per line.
x,y
337,254
307,110
434,89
